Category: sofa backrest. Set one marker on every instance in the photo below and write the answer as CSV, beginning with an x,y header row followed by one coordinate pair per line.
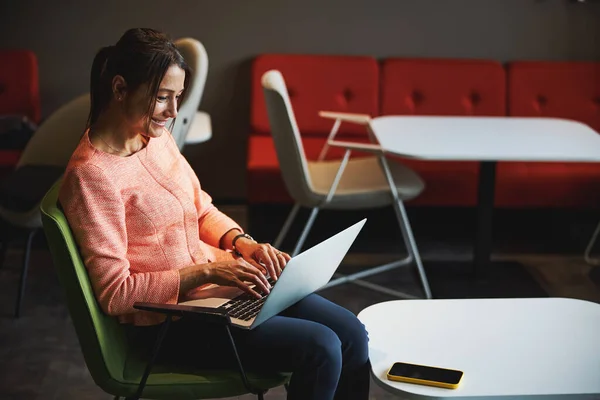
x,y
555,89
316,83
19,84
442,87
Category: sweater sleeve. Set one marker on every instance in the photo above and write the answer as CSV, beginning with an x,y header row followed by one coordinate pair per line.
x,y
96,215
212,223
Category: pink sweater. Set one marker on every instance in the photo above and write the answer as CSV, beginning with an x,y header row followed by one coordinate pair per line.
x,y
137,220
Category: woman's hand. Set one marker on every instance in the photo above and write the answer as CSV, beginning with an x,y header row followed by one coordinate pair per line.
x,y
236,272
263,256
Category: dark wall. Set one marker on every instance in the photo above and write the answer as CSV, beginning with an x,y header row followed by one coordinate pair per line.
x,y
66,34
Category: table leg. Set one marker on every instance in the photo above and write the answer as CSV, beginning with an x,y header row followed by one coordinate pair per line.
x,y
485,210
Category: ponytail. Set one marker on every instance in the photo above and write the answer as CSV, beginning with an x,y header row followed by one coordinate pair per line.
x,y
100,90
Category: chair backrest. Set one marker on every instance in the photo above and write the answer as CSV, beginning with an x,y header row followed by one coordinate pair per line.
x,y
102,338
288,144
57,137
195,56
19,84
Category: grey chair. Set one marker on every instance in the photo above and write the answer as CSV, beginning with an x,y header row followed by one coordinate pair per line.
x,y
42,163
191,125
358,183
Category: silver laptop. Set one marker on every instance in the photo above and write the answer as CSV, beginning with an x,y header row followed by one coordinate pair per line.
x,y
303,274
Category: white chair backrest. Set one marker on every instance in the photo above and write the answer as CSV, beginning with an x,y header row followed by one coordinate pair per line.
x,y
288,143
57,137
195,56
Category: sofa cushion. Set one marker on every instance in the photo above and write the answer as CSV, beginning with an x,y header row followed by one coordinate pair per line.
x,y
548,185
442,87
19,84
559,90
555,89
316,83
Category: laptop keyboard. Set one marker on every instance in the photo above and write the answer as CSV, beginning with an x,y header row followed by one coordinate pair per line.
x,y
245,306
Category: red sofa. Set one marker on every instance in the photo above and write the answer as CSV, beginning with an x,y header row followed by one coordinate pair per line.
x,y
432,87
19,93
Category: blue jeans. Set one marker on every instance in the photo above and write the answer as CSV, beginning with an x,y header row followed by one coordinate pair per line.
x,y
324,346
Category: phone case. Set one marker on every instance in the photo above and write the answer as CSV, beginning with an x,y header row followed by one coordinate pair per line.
x,y
406,379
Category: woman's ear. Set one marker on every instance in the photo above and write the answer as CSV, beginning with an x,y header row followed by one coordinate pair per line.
x,y
119,87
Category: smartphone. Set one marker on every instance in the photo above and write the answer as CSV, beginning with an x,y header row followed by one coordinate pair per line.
x,y
425,375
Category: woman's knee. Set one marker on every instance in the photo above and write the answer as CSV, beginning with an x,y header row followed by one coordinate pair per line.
x,y
325,346
355,342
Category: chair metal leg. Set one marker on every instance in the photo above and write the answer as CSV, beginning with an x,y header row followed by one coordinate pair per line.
x,y
3,248
407,234
25,267
356,279
315,210
260,393
412,245
305,231
588,249
286,226
157,345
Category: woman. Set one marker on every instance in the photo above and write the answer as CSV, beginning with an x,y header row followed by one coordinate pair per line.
x,y
149,233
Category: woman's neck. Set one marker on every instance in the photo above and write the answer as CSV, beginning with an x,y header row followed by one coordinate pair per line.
x,y
113,136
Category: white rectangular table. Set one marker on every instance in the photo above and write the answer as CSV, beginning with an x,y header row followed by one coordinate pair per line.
x,y
487,140
507,348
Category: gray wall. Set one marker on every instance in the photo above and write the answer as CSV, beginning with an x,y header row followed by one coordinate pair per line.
x,y
66,34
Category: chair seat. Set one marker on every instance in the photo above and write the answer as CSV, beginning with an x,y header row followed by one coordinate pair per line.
x,y
175,383
363,183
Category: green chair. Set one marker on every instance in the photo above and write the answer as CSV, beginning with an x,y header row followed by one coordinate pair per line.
x,y
114,364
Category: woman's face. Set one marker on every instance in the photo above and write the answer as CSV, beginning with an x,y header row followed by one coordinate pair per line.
x,y
166,101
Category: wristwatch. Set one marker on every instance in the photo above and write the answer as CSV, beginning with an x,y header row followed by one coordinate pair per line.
x,y
241,235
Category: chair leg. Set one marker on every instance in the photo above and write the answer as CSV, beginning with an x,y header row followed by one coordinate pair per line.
x,y
588,249
3,248
407,234
286,226
315,210
157,345
24,269
411,245
305,231
259,392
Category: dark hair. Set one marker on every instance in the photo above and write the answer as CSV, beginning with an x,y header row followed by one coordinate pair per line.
x,y
141,56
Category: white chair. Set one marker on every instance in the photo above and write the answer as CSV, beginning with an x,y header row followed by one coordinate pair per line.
x,y
42,163
358,183
588,250
192,126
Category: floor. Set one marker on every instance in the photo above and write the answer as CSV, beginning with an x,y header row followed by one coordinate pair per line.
x,y
40,356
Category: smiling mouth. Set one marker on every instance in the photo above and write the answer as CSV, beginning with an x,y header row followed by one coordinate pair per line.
x,y
159,122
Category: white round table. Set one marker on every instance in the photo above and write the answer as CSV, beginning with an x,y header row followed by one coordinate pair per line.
x,y
507,348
